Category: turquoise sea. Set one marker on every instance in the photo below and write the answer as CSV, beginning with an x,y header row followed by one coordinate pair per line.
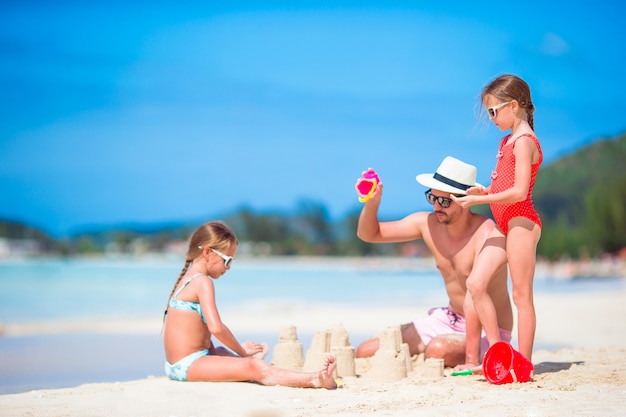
x,y
57,290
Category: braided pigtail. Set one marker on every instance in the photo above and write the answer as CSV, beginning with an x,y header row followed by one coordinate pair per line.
x,y
530,115
182,274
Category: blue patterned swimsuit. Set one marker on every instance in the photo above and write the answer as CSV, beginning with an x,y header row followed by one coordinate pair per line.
x,y
178,371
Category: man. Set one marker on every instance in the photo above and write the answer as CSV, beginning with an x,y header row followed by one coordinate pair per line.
x,y
455,236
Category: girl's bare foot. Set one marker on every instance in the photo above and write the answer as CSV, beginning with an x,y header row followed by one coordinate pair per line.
x,y
326,378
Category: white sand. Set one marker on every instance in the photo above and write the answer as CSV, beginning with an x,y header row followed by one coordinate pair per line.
x,y
586,378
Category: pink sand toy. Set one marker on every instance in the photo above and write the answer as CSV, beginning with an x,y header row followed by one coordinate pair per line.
x,y
366,185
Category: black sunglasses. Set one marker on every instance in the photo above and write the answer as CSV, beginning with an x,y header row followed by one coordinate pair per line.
x,y
443,201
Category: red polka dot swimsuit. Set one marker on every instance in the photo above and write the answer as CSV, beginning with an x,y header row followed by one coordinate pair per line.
x,y
503,178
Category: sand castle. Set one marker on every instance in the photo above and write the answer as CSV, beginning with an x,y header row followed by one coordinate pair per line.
x,y
433,368
318,351
288,352
343,352
334,341
392,361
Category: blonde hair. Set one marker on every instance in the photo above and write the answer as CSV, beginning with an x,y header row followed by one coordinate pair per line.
x,y
511,87
213,234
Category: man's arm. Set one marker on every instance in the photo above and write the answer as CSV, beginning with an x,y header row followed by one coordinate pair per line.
x,y
403,230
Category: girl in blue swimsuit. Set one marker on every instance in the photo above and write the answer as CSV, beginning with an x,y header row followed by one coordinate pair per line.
x,y
191,320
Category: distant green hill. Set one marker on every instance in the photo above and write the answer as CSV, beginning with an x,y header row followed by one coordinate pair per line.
x,y
560,186
581,198
10,229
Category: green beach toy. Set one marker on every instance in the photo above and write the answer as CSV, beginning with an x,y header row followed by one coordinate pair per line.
x,y
464,372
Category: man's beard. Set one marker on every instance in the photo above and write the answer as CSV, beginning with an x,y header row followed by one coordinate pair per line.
x,y
442,217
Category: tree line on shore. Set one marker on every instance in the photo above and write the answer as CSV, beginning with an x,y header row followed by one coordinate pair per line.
x,y
581,198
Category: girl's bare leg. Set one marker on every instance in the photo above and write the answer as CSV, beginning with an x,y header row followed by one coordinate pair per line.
x,y
522,248
226,368
321,379
222,351
472,337
491,258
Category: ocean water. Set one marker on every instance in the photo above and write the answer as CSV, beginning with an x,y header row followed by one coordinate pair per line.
x,y
43,290
57,289
101,288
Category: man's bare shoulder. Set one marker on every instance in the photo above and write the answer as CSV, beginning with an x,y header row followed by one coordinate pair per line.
x,y
484,221
484,226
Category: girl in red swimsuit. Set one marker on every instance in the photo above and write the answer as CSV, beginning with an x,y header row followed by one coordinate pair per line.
x,y
509,105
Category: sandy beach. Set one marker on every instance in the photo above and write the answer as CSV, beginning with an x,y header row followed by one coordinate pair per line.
x,y
582,372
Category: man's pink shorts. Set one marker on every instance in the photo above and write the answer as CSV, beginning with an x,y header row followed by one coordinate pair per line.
x,y
442,320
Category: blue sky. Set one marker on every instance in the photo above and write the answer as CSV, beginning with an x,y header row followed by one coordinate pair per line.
x,y
117,112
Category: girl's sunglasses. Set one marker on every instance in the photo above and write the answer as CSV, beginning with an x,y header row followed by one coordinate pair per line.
x,y
492,111
227,259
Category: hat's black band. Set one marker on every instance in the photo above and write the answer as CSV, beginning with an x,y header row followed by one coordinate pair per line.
x,y
453,183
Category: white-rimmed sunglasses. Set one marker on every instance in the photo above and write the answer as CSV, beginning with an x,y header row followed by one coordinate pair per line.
x,y
492,111
227,259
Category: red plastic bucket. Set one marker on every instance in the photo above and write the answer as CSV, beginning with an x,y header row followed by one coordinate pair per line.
x,y
503,364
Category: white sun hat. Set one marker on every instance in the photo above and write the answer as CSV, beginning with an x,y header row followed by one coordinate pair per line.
x,y
453,176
